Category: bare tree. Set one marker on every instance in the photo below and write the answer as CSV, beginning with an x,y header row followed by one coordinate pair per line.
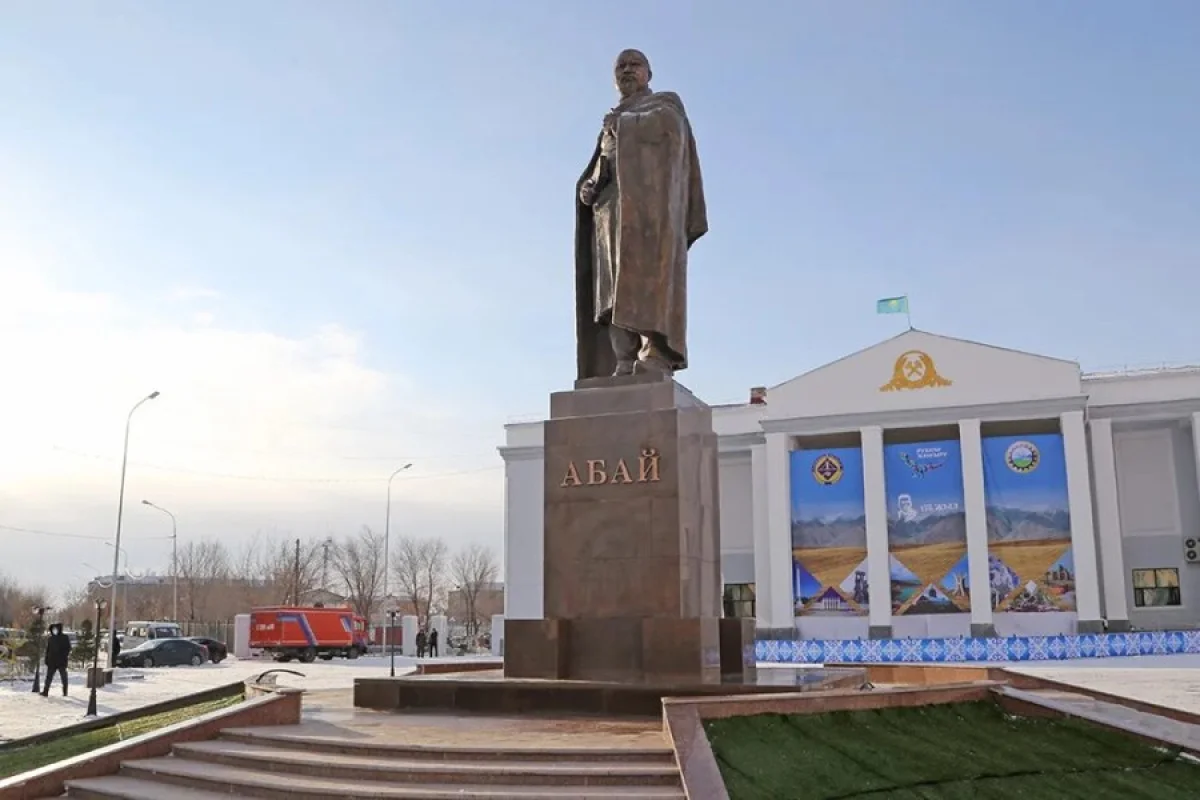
x,y
358,562
290,569
203,568
17,602
472,569
76,606
419,570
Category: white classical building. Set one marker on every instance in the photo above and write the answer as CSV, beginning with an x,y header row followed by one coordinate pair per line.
x,y
863,438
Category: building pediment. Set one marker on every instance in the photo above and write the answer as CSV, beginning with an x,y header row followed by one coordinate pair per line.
x,y
918,370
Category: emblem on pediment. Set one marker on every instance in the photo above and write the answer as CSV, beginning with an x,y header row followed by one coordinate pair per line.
x,y
914,369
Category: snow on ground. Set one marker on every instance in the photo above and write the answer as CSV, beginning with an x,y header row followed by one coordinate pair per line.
x,y
1172,681
1166,680
23,713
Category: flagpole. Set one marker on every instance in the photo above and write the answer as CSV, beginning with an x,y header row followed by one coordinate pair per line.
x,y
908,310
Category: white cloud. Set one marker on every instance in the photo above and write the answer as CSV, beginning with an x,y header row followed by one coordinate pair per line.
x,y
253,431
185,293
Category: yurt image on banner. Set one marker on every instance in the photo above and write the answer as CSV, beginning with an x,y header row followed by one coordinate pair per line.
x,y
927,528
1030,567
829,533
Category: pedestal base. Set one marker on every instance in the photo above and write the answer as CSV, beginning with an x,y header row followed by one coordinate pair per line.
x,y
483,693
630,649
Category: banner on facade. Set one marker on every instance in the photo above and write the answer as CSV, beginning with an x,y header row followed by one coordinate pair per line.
x,y
829,533
927,531
1030,565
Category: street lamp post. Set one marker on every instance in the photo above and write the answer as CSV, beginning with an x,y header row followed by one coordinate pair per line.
x,y
95,676
112,606
392,648
122,579
387,564
174,560
40,612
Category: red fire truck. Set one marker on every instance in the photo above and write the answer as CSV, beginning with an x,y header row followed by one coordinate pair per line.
x,y
287,632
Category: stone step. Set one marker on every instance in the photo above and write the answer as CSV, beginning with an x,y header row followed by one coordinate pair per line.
x,y
119,787
413,752
562,771
173,773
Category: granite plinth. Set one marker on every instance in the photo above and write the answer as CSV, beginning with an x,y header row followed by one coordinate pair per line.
x,y
632,580
494,693
623,648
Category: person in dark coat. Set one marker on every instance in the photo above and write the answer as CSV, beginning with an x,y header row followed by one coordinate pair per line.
x,y
421,643
433,637
116,648
58,650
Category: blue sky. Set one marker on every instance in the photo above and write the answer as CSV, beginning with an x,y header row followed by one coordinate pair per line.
x,y
1043,488
385,187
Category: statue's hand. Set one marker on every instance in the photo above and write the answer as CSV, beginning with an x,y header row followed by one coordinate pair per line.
x,y
587,192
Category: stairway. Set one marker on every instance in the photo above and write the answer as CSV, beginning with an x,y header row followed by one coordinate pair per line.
x,y
273,764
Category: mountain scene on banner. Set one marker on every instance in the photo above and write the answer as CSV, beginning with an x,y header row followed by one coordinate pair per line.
x,y
835,532
1019,525
949,526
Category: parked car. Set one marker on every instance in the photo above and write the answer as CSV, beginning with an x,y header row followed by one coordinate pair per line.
x,y
140,631
164,653
217,651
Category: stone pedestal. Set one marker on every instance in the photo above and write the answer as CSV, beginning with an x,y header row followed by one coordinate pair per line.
x,y
632,542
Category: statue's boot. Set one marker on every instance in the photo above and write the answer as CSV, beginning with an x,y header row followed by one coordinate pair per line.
x,y
652,360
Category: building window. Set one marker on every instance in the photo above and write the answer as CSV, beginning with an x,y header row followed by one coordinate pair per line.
x,y
1156,587
739,600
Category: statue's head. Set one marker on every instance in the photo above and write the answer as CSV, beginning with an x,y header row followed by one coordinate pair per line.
x,y
632,72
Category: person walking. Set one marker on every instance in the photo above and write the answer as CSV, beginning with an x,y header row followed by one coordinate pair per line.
x,y
58,651
421,643
433,648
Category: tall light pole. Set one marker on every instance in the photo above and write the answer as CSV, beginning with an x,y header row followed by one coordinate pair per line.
x,y
94,678
123,579
387,536
174,560
112,605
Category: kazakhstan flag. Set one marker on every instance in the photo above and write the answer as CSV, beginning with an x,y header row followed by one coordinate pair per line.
x,y
892,305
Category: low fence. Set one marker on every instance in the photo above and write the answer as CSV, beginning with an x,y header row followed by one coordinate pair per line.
x,y
221,630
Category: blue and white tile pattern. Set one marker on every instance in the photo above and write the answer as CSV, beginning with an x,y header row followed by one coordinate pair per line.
x,y
949,651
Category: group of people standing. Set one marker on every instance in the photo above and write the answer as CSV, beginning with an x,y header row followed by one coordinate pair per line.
x,y
427,643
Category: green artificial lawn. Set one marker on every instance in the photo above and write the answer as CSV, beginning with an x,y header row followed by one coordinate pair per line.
x,y
14,762
972,751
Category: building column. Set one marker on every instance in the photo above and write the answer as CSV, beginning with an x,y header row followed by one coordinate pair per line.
x,y
1196,444
1108,525
779,534
759,506
1083,537
879,574
524,538
975,508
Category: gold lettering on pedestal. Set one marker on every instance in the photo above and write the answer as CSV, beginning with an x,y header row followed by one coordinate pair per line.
x,y
597,471
621,473
572,478
648,466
